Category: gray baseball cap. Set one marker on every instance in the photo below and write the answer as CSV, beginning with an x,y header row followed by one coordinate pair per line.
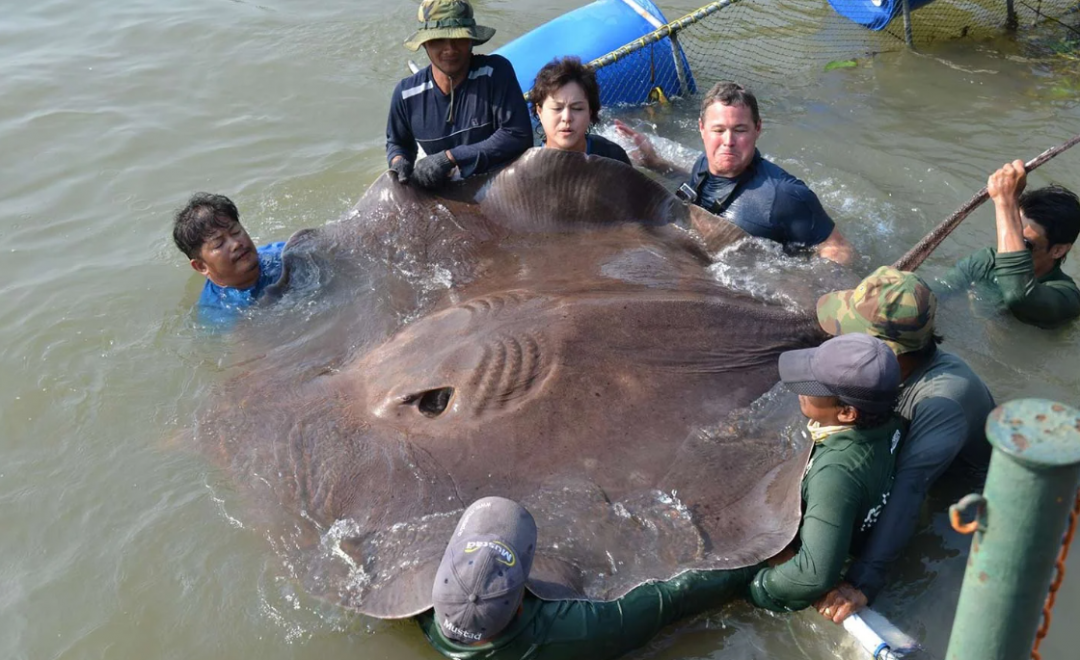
x,y
481,579
859,369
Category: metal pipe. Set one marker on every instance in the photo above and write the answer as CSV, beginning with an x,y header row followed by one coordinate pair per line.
x,y
680,70
908,38
1030,488
1010,15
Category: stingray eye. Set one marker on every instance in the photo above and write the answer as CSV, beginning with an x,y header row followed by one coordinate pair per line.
x,y
432,403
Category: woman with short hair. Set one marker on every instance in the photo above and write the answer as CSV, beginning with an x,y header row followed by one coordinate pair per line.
x,y
566,100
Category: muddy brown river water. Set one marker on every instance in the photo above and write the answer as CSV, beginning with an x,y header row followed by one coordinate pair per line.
x,y
119,544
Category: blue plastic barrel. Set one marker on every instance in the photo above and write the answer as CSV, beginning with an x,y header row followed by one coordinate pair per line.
x,y
595,30
874,14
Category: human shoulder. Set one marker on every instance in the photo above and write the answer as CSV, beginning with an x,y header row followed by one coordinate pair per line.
x,y
979,264
601,146
497,63
271,249
213,295
852,447
948,393
787,188
1058,279
781,178
946,375
413,85
975,267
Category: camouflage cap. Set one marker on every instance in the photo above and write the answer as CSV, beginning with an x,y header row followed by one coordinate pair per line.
x,y
896,307
447,19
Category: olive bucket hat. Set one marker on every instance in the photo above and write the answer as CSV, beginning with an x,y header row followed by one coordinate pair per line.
x,y
447,19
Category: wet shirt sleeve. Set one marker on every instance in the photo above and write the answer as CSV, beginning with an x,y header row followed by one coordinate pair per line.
x,y
833,498
513,129
937,433
588,630
800,215
976,267
1046,303
594,631
399,137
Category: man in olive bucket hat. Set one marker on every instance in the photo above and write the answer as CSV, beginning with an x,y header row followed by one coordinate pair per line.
x,y
943,400
466,111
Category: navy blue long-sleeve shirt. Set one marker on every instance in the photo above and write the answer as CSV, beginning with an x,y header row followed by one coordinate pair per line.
x,y
489,125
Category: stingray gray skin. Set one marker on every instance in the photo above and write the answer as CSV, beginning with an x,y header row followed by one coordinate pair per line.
x,y
573,354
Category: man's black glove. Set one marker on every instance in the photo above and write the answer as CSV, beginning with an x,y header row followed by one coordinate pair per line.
x,y
403,169
433,171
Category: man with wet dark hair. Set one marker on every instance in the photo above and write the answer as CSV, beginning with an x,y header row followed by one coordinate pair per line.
x,y
466,111
732,180
209,233
1035,230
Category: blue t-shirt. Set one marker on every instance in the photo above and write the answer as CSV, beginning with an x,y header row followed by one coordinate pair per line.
x,y
220,305
488,125
765,201
598,145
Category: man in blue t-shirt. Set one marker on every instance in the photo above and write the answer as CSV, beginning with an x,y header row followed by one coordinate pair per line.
x,y
209,232
732,180
466,111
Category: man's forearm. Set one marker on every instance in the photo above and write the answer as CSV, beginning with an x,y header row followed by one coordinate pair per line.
x,y
1010,228
836,248
890,535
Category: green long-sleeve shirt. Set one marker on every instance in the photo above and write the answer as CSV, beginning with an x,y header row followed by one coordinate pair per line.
x,y
1047,301
587,630
844,490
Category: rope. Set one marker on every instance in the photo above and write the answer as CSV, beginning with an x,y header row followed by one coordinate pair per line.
x,y
1059,576
662,32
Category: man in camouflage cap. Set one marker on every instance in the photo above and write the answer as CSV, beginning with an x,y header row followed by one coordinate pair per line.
x,y
896,307
466,111
943,400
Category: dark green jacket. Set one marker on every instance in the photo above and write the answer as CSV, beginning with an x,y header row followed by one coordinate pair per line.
x,y
845,488
1047,301
587,630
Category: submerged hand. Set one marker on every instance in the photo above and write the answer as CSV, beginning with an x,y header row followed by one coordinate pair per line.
x,y
433,171
841,602
402,168
1006,184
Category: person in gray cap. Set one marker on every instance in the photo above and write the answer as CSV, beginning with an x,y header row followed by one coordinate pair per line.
x,y
847,388
482,608
481,580
466,111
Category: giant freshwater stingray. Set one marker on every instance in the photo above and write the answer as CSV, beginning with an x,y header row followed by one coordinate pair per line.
x,y
550,333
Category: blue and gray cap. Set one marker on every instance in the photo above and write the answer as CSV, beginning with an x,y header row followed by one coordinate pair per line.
x,y
481,579
862,371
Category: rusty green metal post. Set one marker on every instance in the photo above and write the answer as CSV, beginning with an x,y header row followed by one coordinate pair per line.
x,y
1030,489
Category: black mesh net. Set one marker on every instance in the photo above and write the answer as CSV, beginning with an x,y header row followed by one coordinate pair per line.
x,y
785,41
